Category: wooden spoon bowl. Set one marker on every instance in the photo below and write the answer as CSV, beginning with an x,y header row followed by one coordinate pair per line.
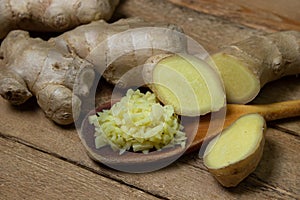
x,y
134,162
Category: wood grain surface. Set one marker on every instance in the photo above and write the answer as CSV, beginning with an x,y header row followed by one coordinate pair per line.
x,y
266,15
40,160
32,174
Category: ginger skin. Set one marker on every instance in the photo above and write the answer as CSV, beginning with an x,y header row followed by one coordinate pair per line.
x,y
87,42
52,16
61,70
248,65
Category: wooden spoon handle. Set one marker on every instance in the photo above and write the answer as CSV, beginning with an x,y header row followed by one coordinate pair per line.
x,y
277,110
268,111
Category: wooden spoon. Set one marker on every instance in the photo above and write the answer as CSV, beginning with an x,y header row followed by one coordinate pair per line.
x,y
139,162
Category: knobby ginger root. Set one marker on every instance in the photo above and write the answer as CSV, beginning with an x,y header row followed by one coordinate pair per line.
x,y
133,41
61,70
236,152
35,67
54,16
248,65
187,83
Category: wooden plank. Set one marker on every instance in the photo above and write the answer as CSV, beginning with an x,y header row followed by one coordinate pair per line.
x,y
284,89
268,14
211,32
280,160
43,176
29,174
288,125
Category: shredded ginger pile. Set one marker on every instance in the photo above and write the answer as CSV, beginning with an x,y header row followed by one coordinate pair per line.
x,y
138,122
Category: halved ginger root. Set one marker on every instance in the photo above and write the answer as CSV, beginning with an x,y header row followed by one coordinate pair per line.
x,y
61,70
236,152
248,65
187,83
52,16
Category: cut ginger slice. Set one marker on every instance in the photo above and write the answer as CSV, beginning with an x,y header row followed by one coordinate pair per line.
x,y
235,153
187,83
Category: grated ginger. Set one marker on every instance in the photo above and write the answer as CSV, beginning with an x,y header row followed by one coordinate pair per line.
x,y
138,122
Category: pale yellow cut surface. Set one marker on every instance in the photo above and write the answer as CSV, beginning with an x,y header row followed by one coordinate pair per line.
x,y
235,143
240,83
190,85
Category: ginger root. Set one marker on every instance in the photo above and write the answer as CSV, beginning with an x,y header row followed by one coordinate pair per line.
x,y
236,152
187,83
132,41
61,70
35,67
248,65
52,16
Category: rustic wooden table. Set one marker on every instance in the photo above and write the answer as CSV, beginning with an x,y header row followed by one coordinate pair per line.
x,y
40,160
